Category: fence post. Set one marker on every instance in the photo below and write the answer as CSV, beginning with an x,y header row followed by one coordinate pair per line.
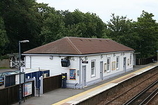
x,y
35,86
41,86
139,61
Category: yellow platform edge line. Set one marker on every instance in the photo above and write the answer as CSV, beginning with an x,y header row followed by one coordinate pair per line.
x,y
80,94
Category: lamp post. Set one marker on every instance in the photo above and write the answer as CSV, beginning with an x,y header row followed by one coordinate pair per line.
x,y
157,55
20,87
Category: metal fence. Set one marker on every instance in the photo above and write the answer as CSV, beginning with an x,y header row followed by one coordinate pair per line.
x,y
10,95
52,83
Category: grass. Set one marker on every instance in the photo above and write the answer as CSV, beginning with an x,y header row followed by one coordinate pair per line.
x,y
4,68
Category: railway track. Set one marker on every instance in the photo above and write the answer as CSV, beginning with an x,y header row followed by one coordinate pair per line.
x,y
130,91
145,96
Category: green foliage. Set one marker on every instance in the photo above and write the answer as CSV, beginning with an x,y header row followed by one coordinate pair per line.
x,y
121,30
39,23
4,68
21,20
58,24
4,57
87,24
52,26
147,29
3,37
119,27
141,35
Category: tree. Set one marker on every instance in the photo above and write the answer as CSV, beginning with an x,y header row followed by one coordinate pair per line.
x,y
3,38
88,24
147,28
58,24
53,25
119,27
22,21
141,35
122,30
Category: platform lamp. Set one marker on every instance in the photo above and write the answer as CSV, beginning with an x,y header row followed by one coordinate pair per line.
x,y
20,88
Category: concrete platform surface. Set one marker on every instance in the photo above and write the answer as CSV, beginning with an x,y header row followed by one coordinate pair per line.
x,y
63,96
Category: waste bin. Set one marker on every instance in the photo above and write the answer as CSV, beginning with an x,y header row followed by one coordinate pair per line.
x,y
64,78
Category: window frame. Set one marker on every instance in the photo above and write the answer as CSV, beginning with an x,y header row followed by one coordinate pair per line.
x,y
93,69
105,67
108,64
113,65
117,62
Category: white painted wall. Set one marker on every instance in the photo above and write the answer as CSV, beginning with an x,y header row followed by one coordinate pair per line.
x,y
54,65
88,68
113,59
103,58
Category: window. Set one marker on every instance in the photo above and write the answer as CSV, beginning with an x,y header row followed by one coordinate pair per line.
x,y
117,63
93,68
128,62
101,56
108,64
113,65
105,67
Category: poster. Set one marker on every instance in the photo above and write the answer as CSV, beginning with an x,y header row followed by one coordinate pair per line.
x,y
72,74
28,89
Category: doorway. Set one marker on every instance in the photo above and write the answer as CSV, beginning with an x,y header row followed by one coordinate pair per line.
x,y
101,70
84,75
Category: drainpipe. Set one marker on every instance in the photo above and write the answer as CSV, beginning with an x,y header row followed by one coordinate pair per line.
x,y
30,61
80,71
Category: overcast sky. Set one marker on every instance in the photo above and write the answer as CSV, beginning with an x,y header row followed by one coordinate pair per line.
x,y
104,8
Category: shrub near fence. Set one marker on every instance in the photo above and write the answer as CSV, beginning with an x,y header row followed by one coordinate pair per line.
x,y
51,83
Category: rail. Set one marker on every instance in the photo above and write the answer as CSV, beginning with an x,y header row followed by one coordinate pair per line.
x,y
137,97
150,97
111,101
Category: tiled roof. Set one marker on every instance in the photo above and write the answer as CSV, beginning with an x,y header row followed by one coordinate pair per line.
x,y
77,45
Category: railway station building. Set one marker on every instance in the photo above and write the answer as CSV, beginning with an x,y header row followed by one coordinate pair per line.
x,y
85,60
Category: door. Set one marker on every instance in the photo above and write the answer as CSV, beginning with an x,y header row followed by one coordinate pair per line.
x,y
124,64
84,75
101,70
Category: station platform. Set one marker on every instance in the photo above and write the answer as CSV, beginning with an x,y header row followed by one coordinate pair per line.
x,y
73,96
99,89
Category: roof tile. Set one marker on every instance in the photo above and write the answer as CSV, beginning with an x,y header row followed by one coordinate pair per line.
x,y
77,45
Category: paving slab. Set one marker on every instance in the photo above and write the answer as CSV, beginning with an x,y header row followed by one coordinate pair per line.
x,y
57,95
